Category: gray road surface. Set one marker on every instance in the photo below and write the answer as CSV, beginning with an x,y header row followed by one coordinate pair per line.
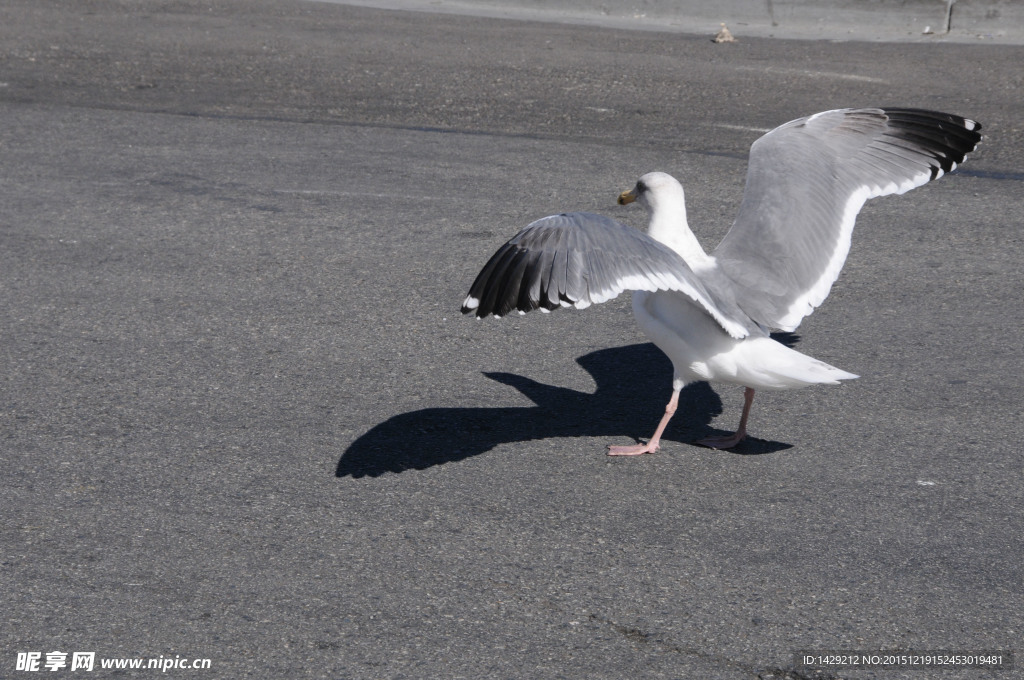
x,y
242,419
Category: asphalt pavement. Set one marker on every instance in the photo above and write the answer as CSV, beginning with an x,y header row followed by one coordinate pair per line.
x,y
243,420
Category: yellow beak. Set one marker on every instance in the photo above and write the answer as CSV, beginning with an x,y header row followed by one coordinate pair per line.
x,y
627,197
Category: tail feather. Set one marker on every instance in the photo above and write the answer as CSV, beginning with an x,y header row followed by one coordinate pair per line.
x,y
772,365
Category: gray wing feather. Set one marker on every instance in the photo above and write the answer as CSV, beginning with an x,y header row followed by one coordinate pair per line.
x,y
806,182
579,259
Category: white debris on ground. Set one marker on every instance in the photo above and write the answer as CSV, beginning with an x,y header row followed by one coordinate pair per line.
x,y
724,36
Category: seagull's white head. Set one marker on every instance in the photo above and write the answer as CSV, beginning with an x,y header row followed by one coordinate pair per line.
x,y
658,192
662,195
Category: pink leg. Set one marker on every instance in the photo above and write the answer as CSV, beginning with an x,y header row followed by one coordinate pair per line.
x,y
731,440
651,446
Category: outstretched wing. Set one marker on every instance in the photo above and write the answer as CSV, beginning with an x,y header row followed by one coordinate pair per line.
x,y
806,182
579,259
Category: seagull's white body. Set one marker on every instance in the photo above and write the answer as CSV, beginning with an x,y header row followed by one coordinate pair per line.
x,y
700,349
710,313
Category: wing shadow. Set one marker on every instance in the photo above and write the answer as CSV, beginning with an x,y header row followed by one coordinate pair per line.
x,y
633,385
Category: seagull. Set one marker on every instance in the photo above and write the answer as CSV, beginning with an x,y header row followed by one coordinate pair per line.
x,y
712,314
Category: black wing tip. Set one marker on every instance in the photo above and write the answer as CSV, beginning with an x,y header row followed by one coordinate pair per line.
x,y
524,274
476,311
931,116
946,137
965,132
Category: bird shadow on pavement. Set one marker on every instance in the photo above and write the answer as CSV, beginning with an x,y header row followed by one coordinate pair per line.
x,y
633,386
